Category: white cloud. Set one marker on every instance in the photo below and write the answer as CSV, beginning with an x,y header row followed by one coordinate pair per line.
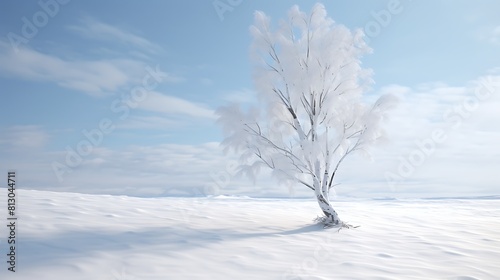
x,y
466,163
94,77
24,137
169,169
147,122
206,81
158,102
240,96
489,34
495,35
94,29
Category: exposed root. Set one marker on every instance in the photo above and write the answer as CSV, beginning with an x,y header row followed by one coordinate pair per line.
x,y
328,223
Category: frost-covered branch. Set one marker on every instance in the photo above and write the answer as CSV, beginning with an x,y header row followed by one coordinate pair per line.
x,y
312,113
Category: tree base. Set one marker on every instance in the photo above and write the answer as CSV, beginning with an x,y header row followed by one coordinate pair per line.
x,y
329,223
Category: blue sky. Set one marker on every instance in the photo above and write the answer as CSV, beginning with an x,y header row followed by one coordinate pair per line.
x,y
85,60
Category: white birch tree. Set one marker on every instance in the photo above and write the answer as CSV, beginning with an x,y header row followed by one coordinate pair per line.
x,y
312,113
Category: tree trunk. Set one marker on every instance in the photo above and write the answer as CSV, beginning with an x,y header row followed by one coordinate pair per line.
x,y
331,217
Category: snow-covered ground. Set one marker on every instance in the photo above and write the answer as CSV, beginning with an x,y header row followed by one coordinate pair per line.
x,y
76,236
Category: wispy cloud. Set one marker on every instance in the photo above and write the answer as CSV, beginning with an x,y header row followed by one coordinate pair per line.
x,y
463,115
94,29
429,106
168,169
158,102
147,122
171,169
240,96
206,81
489,34
24,137
495,35
94,77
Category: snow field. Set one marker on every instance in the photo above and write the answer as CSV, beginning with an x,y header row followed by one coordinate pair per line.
x,y
78,236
